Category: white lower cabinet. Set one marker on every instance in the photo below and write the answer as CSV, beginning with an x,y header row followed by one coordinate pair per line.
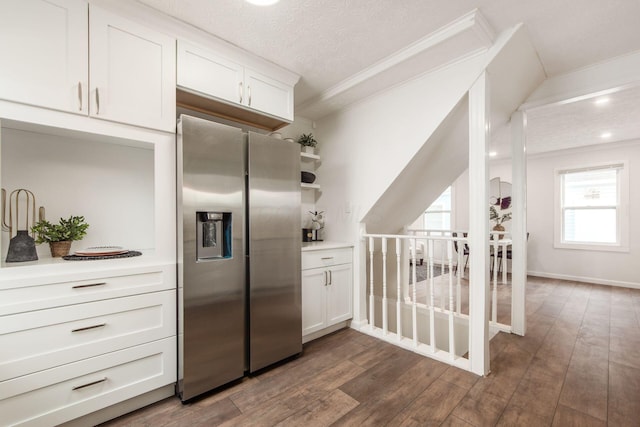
x,y
69,391
327,289
96,343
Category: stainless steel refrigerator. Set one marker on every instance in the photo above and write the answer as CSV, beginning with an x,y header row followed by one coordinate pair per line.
x,y
239,301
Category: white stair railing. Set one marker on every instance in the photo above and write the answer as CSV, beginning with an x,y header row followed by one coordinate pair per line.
x,y
438,328
430,319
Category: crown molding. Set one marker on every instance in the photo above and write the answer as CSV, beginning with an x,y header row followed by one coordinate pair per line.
x,y
461,38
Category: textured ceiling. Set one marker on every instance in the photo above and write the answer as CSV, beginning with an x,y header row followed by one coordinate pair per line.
x,y
328,41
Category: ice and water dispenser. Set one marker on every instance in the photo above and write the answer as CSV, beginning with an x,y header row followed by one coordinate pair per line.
x,y
213,235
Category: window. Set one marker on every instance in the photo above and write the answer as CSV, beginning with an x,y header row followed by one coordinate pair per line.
x,y
592,207
438,215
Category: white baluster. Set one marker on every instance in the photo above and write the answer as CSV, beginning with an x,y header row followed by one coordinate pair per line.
x,y
504,261
459,281
452,342
371,300
414,307
442,245
398,292
494,299
385,320
432,316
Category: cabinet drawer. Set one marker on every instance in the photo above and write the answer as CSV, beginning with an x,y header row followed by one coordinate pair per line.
x,y
61,394
27,298
325,258
43,339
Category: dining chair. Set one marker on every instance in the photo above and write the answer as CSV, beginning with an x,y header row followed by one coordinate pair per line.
x,y
508,255
465,249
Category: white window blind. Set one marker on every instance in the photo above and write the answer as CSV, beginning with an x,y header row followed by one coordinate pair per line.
x,y
438,215
590,204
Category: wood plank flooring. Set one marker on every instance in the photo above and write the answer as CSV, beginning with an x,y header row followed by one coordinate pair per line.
x,y
578,365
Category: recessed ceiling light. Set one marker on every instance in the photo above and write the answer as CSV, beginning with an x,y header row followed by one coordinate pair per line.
x,y
605,135
263,2
602,101
492,153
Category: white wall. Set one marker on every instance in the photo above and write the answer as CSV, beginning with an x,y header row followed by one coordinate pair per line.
x,y
366,146
615,268
111,185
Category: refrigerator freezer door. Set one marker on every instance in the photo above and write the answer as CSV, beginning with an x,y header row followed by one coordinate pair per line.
x,y
211,306
275,322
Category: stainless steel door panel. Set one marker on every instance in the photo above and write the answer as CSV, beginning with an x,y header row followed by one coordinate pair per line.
x,y
211,178
275,321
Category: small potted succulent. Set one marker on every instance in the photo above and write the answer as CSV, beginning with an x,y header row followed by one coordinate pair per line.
x,y
308,142
60,235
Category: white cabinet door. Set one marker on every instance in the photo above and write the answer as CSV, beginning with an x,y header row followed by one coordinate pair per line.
x,y
313,300
45,53
339,294
203,71
132,72
268,95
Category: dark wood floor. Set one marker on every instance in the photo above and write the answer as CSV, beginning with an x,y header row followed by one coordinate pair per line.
x,y
578,365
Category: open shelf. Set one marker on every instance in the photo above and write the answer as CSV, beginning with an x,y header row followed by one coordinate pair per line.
x,y
309,156
314,186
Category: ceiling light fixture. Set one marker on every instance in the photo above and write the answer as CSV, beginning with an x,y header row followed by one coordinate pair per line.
x,y
492,153
263,2
605,135
602,101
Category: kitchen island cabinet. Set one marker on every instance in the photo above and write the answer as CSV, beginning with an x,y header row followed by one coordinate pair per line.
x,y
327,290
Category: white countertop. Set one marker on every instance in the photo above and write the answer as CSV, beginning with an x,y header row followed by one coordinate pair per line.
x,y
316,246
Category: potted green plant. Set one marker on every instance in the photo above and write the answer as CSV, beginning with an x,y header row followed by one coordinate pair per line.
x,y
308,142
498,218
60,235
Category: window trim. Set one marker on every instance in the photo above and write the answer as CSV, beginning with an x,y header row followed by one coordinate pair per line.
x,y
450,211
622,209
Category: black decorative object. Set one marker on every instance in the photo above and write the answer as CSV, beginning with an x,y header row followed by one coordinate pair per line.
x,y
307,177
22,248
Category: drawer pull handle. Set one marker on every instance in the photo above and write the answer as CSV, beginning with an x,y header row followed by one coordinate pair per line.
x,y
327,258
90,285
78,387
80,95
86,328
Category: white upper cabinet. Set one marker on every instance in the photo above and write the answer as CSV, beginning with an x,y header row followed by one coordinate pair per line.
x,y
206,72
44,53
268,95
132,72
129,77
203,71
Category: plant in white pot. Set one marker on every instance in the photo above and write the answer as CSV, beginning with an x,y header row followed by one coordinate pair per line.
x,y
308,142
60,235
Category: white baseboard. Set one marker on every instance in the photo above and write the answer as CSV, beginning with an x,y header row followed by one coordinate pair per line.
x,y
585,279
312,336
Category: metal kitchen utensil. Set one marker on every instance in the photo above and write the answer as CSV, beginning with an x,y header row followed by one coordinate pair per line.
x,y
22,246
